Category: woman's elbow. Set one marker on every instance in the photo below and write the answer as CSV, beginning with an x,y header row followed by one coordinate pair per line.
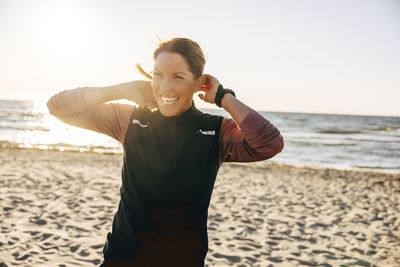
x,y
55,107
52,107
281,144
273,149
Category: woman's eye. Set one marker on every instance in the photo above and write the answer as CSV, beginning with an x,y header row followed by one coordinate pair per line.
x,y
178,77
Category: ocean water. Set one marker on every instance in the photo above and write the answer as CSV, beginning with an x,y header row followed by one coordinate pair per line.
x,y
315,140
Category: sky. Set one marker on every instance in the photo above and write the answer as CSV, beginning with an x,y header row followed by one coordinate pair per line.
x,y
339,57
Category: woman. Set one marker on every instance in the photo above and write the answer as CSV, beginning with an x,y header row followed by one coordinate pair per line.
x,y
172,153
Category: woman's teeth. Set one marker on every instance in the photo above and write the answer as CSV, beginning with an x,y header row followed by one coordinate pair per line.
x,y
169,100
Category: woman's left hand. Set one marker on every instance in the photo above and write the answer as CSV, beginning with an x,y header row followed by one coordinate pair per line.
x,y
209,95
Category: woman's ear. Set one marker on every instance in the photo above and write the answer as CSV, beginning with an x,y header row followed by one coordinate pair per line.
x,y
200,82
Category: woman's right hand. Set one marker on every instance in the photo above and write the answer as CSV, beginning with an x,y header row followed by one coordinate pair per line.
x,y
141,93
209,94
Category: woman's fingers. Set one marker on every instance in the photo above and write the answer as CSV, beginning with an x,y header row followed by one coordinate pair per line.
x,y
142,94
212,80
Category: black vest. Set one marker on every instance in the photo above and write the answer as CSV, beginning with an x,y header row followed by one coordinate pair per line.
x,y
169,170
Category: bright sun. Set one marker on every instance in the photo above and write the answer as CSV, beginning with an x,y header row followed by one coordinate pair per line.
x,y
65,30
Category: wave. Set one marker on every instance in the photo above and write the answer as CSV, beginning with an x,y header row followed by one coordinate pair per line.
x,y
315,165
20,115
60,147
377,139
387,129
366,131
25,128
340,132
308,143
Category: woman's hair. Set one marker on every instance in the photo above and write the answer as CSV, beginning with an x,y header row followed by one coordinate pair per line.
x,y
188,49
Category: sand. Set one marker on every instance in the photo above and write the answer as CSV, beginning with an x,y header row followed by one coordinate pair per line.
x,y
57,207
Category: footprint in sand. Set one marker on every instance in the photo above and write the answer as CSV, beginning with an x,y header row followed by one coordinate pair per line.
x,y
275,259
74,248
245,248
229,258
23,257
84,253
97,246
45,236
37,220
271,243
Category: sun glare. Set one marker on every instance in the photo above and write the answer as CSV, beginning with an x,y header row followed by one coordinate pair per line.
x,y
65,30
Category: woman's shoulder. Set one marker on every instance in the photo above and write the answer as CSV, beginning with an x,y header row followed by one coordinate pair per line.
x,y
209,115
211,121
139,111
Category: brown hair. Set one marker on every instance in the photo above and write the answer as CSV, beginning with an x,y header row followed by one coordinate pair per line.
x,y
188,49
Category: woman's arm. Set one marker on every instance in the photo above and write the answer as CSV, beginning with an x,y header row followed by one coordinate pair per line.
x,y
254,139
236,108
248,137
84,107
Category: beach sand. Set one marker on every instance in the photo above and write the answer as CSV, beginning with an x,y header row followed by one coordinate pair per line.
x,y
57,207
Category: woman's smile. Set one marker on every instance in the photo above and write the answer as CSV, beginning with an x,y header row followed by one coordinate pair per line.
x,y
168,100
173,84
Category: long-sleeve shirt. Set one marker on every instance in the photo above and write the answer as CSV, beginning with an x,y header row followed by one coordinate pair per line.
x,y
254,139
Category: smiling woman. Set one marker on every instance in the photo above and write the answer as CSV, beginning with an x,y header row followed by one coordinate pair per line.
x,y
172,153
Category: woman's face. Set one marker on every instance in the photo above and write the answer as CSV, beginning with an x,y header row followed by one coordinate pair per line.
x,y
173,84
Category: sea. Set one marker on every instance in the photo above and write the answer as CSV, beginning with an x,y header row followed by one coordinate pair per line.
x,y
311,140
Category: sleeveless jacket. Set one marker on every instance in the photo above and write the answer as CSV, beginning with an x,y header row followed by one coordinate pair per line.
x,y
168,174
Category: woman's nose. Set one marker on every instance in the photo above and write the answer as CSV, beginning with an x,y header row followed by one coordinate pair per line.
x,y
165,86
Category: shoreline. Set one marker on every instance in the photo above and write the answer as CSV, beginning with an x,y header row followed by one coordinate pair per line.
x,y
57,208
262,163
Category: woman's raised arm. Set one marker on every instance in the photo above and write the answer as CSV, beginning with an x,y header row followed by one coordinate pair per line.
x,y
85,107
248,137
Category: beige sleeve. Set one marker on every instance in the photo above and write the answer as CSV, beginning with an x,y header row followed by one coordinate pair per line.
x,y
71,107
